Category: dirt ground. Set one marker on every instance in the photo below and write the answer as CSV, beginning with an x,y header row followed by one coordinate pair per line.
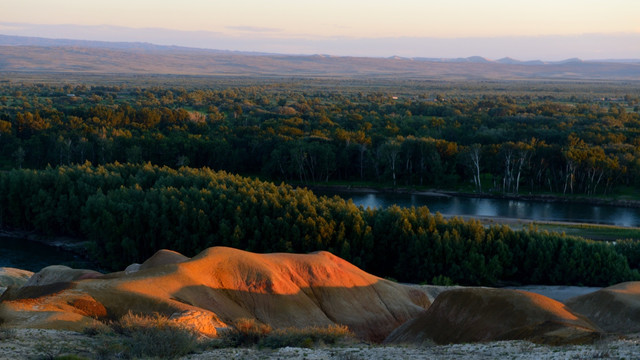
x,y
34,344
615,349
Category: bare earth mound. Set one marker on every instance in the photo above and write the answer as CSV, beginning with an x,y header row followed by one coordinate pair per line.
x,y
614,309
484,314
216,288
13,277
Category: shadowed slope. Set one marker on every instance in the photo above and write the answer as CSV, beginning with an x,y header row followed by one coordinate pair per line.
x,y
163,257
483,314
614,309
13,277
60,273
224,285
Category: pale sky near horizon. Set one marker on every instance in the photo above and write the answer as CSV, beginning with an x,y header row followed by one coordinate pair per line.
x,y
337,19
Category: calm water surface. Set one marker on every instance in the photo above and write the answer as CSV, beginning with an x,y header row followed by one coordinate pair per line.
x,y
33,256
519,209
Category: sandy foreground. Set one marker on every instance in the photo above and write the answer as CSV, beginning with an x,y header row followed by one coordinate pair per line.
x,y
616,349
39,343
35,343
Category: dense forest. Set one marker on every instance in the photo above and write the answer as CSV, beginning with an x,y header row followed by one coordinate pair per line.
x,y
129,211
135,168
561,138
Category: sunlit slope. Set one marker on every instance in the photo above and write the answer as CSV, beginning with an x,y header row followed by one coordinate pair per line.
x,y
225,284
13,277
485,314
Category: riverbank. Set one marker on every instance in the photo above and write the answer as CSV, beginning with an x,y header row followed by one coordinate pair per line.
x,y
546,213
576,199
599,232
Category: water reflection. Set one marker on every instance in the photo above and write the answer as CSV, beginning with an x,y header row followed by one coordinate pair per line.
x,y
369,201
485,208
520,209
625,218
33,256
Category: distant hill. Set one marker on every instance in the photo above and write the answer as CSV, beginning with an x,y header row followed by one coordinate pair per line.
x,y
28,54
145,46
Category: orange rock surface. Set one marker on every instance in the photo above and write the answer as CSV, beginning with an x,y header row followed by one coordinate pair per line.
x,y
485,314
218,287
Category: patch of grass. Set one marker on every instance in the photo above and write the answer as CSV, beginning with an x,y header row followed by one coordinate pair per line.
x,y
50,350
248,332
442,280
140,336
626,193
307,337
594,232
244,332
7,333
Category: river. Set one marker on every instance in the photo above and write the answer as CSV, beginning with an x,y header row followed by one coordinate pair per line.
x,y
33,255
498,208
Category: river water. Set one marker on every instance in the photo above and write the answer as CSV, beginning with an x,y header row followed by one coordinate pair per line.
x,y
489,207
33,255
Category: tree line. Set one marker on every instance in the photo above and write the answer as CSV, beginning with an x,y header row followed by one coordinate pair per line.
x,y
487,143
129,211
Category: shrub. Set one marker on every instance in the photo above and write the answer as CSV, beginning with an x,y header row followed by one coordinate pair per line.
x,y
245,332
306,337
442,280
6,333
140,336
248,332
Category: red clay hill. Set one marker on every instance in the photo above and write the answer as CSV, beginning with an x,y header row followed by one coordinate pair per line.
x,y
220,286
615,309
485,314
216,288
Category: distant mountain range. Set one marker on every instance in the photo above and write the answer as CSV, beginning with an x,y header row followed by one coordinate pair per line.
x,y
31,54
45,42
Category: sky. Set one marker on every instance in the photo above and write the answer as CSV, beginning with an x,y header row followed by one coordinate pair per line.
x,y
524,29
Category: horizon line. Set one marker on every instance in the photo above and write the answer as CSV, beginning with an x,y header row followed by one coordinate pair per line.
x,y
337,47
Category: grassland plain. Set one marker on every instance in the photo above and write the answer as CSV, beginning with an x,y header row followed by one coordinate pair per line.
x,y
187,61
